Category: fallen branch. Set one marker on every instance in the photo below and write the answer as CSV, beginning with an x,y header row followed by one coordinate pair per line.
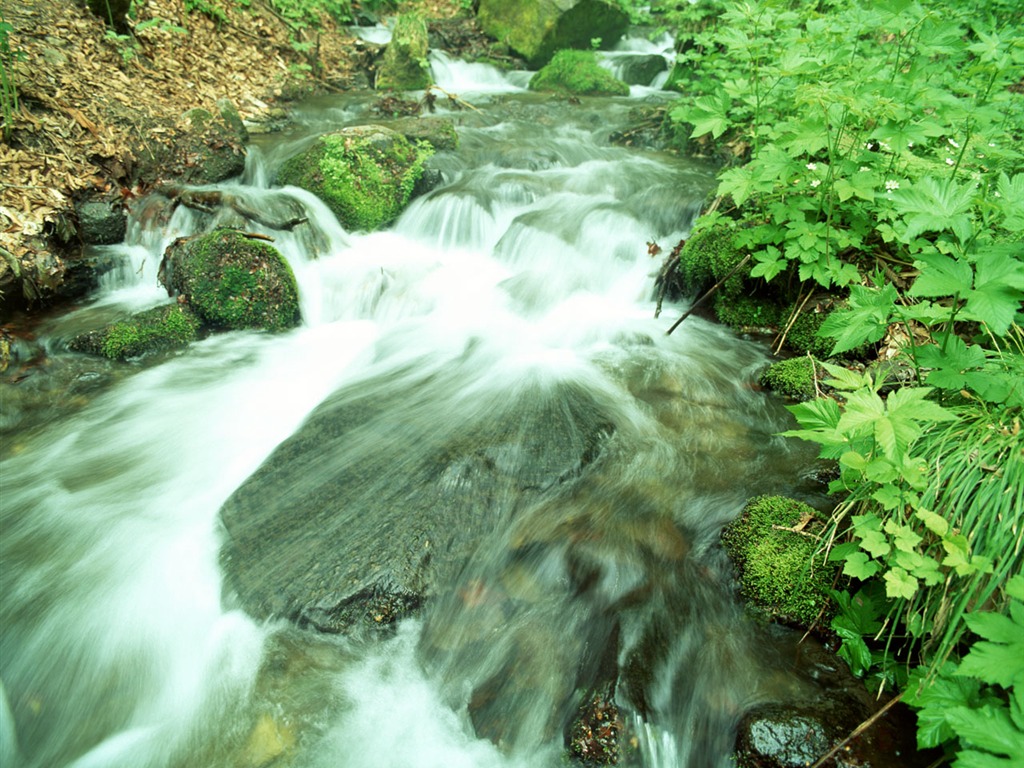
x,y
708,294
858,731
208,201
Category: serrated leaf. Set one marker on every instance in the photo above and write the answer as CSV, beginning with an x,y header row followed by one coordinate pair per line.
x,y
987,727
941,276
933,522
933,697
931,205
858,566
900,584
865,321
998,293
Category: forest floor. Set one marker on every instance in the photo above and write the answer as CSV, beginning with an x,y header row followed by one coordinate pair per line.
x,y
87,95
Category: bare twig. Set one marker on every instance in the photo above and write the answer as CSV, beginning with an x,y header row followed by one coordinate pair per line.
x,y
789,323
708,294
858,731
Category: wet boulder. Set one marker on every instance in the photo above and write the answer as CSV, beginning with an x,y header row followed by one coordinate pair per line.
x,y
365,174
404,66
232,281
535,29
577,73
100,222
438,132
155,330
359,518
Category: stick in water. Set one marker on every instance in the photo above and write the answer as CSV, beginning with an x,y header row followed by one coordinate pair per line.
x,y
710,292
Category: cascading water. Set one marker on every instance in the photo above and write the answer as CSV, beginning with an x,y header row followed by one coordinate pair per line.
x,y
518,290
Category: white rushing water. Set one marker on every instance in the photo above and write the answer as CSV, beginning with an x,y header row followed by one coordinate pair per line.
x,y
116,649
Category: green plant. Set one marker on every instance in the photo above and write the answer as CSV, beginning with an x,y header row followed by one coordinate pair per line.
x,y
978,705
209,8
126,46
8,83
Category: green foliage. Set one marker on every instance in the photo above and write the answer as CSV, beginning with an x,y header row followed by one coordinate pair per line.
x,y
795,378
772,544
935,502
979,704
209,8
8,84
577,73
875,136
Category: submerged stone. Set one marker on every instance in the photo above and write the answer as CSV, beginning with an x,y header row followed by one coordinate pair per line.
x,y
232,281
535,29
355,520
365,174
155,330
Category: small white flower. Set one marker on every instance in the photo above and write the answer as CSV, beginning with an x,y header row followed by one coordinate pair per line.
x,y
885,145
991,143
996,193
815,182
949,161
910,145
812,167
863,169
891,184
953,143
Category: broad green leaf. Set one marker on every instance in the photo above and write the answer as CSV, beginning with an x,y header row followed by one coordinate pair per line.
x,y
844,378
941,276
866,320
998,293
912,403
1015,587
933,522
875,543
997,628
904,537
998,659
854,651
899,583
858,566
1011,200
987,727
933,697
951,358
822,413
931,205
707,114
969,758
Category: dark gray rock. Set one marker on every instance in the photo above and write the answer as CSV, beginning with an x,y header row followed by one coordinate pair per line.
x,y
362,515
100,222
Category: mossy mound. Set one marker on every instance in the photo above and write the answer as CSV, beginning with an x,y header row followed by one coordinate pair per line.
x,y
793,378
404,66
535,29
365,174
577,73
233,281
779,571
155,330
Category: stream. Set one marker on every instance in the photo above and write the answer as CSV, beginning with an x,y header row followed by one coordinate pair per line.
x,y
518,292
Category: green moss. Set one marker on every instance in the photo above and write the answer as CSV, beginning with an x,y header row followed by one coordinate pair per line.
x,y
365,175
537,30
778,571
803,334
744,312
577,73
793,378
233,281
405,66
159,329
709,255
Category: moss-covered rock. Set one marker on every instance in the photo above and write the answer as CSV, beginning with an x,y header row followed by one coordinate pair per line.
x,y
803,335
438,132
577,73
404,66
746,313
155,330
365,174
793,378
773,547
232,281
535,29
